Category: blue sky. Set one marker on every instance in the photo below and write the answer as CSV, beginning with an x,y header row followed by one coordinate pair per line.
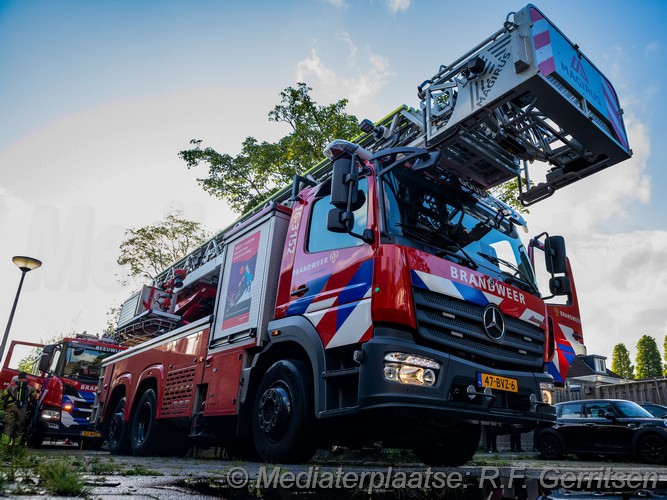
x,y
97,98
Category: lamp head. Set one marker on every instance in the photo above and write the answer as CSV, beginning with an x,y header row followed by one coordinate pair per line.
x,y
26,264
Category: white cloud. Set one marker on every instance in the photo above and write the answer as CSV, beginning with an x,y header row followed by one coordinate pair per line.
x,y
370,76
337,3
77,184
398,5
622,284
651,47
620,276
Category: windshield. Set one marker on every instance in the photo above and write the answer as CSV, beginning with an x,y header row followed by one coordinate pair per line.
x,y
438,214
630,409
84,362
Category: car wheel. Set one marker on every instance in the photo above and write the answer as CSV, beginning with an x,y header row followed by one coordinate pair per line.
x,y
146,433
652,449
456,448
283,416
550,447
117,436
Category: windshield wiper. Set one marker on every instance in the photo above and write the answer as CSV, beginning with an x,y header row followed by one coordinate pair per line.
x,y
523,278
426,235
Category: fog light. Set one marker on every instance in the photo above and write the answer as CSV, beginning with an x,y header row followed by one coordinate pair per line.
x,y
410,369
547,390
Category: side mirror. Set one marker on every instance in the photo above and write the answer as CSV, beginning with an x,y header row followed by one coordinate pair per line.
x,y
556,258
610,415
344,173
560,285
45,357
335,221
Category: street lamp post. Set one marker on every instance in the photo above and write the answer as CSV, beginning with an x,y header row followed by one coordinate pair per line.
x,y
25,264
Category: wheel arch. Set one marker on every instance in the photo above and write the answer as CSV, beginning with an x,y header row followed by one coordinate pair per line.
x,y
297,339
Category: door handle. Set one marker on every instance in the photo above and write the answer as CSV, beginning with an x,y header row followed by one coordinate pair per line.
x,y
302,290
589,425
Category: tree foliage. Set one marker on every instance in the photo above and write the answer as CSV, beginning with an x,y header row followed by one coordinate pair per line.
x,y
649,361
261,168
149,250
620,362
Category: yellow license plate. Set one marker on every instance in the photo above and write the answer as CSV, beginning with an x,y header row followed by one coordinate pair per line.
x,y
496,382
91,434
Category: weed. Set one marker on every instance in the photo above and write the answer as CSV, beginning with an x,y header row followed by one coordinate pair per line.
x,y
98,467
59,477
139,470
13,451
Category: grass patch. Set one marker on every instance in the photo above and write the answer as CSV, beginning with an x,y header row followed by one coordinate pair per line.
x,y
139,470
98,467
60,477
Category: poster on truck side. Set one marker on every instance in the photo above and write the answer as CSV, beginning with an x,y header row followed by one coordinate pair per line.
x,y
241,284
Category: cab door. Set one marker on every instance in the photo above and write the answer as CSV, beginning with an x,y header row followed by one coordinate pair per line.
x,y
332,272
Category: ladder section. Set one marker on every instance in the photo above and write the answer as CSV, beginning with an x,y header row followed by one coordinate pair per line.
x,y
525,94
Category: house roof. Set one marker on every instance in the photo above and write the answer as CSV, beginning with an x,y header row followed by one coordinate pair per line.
x,y
582,366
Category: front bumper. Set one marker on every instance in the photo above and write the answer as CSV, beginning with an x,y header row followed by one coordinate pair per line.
x,y
449,397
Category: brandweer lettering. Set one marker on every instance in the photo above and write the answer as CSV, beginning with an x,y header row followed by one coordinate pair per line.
x,y
311,266
493,286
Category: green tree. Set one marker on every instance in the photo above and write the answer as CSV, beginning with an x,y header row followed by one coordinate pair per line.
x,y
261,168
149,250
620,362
649,361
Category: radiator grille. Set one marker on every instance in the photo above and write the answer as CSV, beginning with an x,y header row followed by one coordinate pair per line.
x,y
457,326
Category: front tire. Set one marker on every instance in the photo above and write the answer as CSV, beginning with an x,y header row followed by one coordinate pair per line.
x,y
117,433
455,448
283,417
145,434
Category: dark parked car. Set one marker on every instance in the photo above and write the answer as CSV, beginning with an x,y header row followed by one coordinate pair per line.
x,y
658,411
604,427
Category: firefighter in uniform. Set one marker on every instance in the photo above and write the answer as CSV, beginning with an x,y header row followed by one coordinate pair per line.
x,y
19,396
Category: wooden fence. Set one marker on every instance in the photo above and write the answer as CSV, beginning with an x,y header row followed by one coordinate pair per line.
x,y
647,390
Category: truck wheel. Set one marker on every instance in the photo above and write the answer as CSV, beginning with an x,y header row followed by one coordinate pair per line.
x,y
117,435
145,435
456,447
652,449
35,440
283,417
550,447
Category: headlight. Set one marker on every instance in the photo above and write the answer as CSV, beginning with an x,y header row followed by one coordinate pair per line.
x,y
547,390
50,415
410,369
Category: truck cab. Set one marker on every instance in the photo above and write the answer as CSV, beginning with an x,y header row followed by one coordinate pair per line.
x,y
66,374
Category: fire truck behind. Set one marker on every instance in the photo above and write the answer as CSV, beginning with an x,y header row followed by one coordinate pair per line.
x,y
66,375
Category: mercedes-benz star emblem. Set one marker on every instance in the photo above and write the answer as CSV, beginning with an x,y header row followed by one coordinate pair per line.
x,y
494,322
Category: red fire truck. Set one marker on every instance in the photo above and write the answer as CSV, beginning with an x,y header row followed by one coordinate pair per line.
x,y
386,296
66,376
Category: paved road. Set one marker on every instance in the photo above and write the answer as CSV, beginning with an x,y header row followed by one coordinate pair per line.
x,y
522,475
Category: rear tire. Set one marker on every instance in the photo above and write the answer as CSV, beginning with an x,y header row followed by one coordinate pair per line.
x,y
455,447
283,419
117,432
652,449
145,435
550,447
